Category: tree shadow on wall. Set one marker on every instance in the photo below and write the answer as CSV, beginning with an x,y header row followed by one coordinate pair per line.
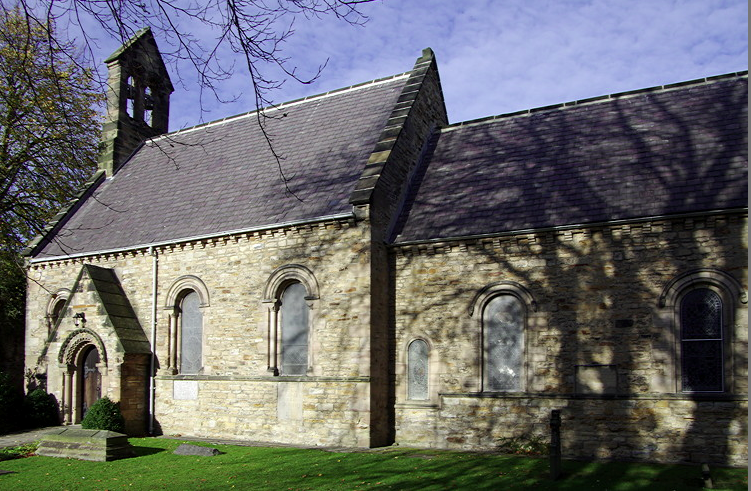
x,y
597,288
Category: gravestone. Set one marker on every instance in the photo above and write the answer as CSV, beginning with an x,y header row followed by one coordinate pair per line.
x,y
77,443
188,449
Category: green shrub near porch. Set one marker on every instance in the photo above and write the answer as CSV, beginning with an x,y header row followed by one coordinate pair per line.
x,y
104,415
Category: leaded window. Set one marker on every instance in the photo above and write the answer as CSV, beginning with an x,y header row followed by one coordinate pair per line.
x,y
417,370
294,323
702,367
191,334
503,331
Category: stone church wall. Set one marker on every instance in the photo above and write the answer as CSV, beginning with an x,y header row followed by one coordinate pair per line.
x,y
593,312
235,395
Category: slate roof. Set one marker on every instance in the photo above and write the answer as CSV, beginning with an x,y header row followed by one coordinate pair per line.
x,y
222,177
661,151
119,311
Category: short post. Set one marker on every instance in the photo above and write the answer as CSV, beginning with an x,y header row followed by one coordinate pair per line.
x,y
706,476
555,444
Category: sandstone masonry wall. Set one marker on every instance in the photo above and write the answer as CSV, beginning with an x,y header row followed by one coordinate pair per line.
x,y
235,394
596,299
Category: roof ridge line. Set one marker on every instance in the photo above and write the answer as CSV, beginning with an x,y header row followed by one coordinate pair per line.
x,y
281,105
598,99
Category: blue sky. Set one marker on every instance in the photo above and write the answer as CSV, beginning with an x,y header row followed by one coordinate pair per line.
x,y
496,57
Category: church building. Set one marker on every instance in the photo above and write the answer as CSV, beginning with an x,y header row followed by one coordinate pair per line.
x,y
378,276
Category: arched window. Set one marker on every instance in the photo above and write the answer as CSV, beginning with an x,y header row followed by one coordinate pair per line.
x,y
291,293
187,299
55,308
57,312
191,334
294,335
503,343
701,306
503,309
702,341
417,370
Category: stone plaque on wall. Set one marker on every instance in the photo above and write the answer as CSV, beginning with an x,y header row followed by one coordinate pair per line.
x,y
289,401
186,390
596,379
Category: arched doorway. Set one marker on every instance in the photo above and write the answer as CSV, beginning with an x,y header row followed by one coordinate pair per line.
x,y
90,378
83,360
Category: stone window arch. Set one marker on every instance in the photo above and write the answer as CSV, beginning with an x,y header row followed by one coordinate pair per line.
x,y
186,303
55,307
700,305
291,295
502,312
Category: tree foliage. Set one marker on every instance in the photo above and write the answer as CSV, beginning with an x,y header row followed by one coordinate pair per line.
x,y
49,133
49,127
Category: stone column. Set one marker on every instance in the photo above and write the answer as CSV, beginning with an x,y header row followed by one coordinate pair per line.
x,y
173,318
67,402
273,338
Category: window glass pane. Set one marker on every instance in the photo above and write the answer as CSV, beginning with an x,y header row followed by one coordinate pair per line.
x,y
701,315
417,370
503,324
191,334
701,341
294,313
702,366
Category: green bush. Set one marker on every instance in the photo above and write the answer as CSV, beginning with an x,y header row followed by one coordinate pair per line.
x,y
11,401
104,415
40,409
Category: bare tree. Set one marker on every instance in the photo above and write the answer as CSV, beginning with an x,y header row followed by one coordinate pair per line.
x,y
253,29
199,32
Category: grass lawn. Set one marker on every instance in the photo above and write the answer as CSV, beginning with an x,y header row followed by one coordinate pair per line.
x,y
259,468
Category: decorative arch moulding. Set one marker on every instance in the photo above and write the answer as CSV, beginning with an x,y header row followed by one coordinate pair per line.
x,y
185,283
706,276
76,341
501,288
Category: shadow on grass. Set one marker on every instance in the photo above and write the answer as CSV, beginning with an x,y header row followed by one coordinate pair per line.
x,y
139,451
617,475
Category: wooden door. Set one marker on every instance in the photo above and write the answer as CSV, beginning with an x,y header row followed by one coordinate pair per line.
x,y
92,380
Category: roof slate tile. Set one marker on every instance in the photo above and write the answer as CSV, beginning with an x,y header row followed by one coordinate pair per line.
x,y
222,177
654,152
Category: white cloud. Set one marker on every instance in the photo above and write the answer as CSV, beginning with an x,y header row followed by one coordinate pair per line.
x,y
503,56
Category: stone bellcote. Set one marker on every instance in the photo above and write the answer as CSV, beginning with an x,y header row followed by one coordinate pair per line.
x,y
138,91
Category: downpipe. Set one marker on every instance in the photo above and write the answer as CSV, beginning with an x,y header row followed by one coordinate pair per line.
x,y
152,365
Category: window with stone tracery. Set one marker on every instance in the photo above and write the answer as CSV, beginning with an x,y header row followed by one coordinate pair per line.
x,y
702,341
